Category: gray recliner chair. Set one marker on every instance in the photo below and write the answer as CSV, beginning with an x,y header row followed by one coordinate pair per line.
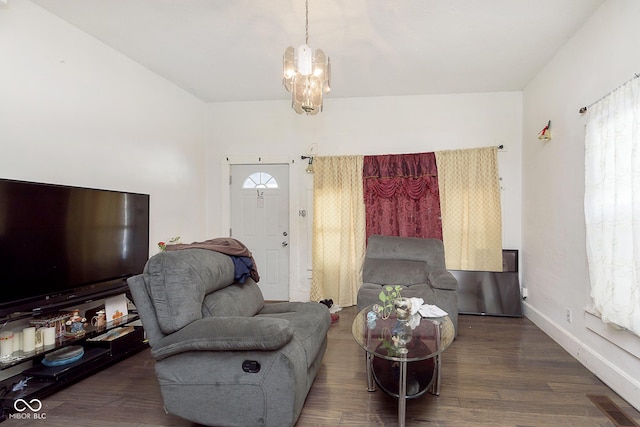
x,y
416,264
223,356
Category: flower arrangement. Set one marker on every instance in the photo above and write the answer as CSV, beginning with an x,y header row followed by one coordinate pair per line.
x,y
162,245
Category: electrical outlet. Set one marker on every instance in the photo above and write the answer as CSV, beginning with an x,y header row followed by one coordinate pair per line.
x,y
569,315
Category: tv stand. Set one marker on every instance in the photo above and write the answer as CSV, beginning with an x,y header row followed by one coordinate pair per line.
x,y
42,381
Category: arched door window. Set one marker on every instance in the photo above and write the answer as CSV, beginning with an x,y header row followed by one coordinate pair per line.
x,y
260,180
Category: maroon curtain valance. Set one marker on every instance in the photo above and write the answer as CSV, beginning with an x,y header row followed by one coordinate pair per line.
x,y
401,195
400,165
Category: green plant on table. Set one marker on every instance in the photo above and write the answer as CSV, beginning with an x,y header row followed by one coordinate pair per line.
x,y
387,296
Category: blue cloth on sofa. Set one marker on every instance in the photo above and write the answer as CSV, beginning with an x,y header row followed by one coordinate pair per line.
x,y
242,266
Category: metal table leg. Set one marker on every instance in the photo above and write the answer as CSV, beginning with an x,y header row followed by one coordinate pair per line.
x,y
437,365
371,384
435,386
402,394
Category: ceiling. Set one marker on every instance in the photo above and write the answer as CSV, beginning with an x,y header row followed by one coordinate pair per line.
x,y
231,50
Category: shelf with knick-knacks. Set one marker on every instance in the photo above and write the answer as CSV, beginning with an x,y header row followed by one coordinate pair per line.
x,y
45,353
27,337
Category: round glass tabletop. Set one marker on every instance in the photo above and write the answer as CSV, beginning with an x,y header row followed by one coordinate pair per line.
x,y
416,338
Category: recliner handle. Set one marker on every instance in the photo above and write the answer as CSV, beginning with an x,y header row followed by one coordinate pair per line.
x,y
251,366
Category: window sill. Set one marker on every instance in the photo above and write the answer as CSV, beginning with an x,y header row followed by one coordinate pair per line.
x,y
622,338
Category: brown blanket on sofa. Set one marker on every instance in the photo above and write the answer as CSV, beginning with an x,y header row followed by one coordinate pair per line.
x,y
224,245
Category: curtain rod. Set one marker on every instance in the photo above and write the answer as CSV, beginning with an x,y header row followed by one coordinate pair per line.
x,y
584,109
500,147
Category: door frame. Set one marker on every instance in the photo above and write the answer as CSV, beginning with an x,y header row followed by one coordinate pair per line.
x,y
225,204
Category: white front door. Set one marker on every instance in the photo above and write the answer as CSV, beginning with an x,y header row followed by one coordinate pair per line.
x,y
260,220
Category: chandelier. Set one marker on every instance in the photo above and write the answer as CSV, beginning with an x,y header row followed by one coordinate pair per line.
x,y
307,75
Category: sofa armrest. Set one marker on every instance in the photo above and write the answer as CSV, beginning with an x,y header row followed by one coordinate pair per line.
x,y
226,334
443,279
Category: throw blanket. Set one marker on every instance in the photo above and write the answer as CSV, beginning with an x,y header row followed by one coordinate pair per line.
x,y
227,246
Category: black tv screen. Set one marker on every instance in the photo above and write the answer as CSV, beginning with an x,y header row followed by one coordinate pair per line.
x,y
63,245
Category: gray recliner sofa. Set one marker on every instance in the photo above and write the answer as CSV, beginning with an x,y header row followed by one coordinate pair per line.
x,y
223,356
416,264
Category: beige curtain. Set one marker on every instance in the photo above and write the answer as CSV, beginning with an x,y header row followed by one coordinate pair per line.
x,y
471,214
338,229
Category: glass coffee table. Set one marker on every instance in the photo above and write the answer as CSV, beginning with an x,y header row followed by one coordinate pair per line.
x,y
402,356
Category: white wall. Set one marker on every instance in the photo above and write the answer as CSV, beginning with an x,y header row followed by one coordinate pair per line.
x,y
602,55
75,112
379,125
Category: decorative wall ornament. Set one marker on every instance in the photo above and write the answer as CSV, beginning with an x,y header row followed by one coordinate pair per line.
x,y
545,133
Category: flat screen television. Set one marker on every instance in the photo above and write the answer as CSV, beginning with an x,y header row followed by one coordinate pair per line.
x,y
63,245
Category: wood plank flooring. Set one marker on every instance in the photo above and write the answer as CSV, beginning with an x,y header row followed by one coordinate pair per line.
x,y
498,372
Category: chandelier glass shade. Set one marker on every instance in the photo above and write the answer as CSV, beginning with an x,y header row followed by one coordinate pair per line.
x,y
307,75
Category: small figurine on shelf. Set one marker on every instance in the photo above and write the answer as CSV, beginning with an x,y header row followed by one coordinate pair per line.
x,y
117,317
76,323
100,319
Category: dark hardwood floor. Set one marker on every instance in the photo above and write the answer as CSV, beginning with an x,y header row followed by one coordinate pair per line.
x,y
498,372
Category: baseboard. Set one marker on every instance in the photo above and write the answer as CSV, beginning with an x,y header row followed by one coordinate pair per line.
x,y
618,380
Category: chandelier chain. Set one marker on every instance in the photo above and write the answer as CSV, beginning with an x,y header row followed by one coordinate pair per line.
x,y
306,26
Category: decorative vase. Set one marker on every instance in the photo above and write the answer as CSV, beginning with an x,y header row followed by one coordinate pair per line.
x,y
401,336
403,308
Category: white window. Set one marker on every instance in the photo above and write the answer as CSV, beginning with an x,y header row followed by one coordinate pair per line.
x,y
260,180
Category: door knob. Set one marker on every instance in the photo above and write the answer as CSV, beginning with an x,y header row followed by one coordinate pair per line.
x,y
285,244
